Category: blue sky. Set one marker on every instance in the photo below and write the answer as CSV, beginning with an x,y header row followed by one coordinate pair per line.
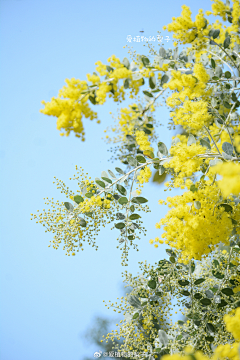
x,y
48,299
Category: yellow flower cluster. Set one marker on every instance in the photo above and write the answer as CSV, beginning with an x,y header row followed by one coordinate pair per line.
x,y
219,8
142,141
185,222
102,92
230,182
233,324
69,108
184,160
127,120
185,30
192,114
145,175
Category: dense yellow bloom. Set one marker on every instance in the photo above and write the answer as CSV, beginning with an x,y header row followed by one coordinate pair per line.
x,y
184,159
145,175
230,182
233,324
142,141
69,107
184,223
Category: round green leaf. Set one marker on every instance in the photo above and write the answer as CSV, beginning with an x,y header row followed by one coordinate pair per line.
x,y
120,225
199,281
152,284
123,200
227,291
68,206
205,301
82,223
132,161
227,148
78,199
100,183
134,216
141,159
162,148
139,200
121,189
183,282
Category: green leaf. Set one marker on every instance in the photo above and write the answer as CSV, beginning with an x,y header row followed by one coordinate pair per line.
x,y
149,154
139,200
213,63
205,301
217,274
132,161
191,140
126,63
222,303
132,208
199,281
134,301
227,148
161,170
197,205
227,105
152,284
100,183
141,159
131,237
120,225
170,252
69,206
164,79
147,93
172,259
228,75
121,189
198,295
120,216
82,222
227,291
209,338
226,42
107,180
123,200
145,61
162,52
215,33
78,199
120,171
111,174
134,216
205,143
135,316
193,188
126,83
162,148
152,82
183,282
149,125
227,207
92,99
185,292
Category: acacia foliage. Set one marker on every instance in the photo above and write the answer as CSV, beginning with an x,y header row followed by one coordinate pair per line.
x,y
201,85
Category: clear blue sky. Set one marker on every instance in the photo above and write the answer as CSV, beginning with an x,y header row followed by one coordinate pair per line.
x,y
48,299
